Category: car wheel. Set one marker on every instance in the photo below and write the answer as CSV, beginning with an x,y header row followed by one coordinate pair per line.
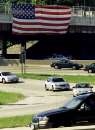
x,y
33,127
53,89
3,81
74,67
56,67
46,87
89,71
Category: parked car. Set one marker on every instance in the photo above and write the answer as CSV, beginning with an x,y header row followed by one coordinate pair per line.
x,y
6,77
65,64
81,88
78,109
56,83
90,68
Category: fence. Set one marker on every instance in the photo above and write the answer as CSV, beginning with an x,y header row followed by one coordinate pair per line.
x,y
83,11
81,15
76,10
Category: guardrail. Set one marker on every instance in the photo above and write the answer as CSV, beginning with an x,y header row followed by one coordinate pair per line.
x,y
5,9
81,15
83,11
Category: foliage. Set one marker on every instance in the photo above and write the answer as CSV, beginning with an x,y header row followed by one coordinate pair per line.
x,y
69,78
16,121
9,97
54,2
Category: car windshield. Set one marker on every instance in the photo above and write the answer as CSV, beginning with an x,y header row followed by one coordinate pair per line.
x,y
82,85
73,103
58,80
6,73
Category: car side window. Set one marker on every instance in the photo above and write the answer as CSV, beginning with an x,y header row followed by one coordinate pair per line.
x,y
84,107
91,102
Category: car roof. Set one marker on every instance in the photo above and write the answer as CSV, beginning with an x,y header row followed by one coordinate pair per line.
x,y
54,77
82,84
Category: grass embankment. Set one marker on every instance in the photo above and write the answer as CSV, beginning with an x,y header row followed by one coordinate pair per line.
x,y
16,121
9,97
20,121
69,78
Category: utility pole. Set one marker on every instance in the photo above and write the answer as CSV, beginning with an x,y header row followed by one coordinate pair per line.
x,y
23,56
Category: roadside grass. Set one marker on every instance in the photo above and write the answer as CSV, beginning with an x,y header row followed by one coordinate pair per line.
x,y
16,121
9,97
69,78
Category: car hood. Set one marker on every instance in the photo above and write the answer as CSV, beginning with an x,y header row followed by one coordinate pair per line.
x,y
53,111
60,83
11,76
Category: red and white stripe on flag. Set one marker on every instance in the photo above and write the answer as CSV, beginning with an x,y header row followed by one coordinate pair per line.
x,y
47,19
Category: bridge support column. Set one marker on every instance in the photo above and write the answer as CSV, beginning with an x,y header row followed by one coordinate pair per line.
x,y
4,48
1,48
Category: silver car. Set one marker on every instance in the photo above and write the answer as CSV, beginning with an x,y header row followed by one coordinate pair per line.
x,y
81,88
56,83
6,77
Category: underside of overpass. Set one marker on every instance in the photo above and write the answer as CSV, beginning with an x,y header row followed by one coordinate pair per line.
x,y
76,45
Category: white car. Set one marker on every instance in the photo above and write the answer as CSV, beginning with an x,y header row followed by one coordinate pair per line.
x,y
81,88
6,77
56,83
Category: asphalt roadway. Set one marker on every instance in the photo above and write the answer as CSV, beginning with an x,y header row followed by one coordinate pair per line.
x,y
43,69
37,99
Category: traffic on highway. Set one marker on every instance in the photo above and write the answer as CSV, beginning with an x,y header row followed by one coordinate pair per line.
x,y
48,104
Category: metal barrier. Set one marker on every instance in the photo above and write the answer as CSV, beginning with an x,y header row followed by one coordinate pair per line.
x,y
83,11
5,9
81,15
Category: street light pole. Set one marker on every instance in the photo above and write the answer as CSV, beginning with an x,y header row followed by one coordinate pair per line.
x,y
84,3
84,8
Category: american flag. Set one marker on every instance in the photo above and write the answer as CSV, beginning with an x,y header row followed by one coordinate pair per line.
x,y
40,19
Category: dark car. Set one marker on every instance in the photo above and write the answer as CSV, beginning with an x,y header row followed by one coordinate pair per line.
x,y
90,68
66,64
79,109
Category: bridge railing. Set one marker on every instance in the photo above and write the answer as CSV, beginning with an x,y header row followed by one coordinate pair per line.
x,y
83,11
81,15
5,9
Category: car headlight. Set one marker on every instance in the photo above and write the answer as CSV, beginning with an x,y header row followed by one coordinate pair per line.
x,y
43,120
